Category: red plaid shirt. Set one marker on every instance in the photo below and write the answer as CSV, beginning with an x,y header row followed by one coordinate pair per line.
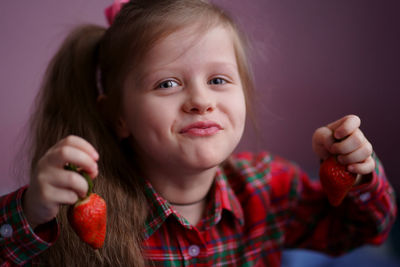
x,y
258,206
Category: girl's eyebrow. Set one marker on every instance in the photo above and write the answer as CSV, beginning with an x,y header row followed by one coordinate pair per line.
x,y
229,65
145,75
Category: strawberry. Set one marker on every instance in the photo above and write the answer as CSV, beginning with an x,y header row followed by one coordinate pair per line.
x,y
88,216
336,180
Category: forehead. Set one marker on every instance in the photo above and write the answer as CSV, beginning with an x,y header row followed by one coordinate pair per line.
x,y
193,42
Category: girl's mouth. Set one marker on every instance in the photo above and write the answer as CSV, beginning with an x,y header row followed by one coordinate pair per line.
x,y
202,128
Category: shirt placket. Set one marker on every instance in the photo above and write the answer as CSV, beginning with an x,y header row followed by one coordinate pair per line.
x,y
193,247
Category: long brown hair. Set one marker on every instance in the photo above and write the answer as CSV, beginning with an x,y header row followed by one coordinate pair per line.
x,y
67,104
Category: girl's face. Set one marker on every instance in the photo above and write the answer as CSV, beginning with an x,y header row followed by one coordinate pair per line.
x,y
184,108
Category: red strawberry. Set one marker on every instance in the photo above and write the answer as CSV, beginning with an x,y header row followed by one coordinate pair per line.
x,y
88,216
336,180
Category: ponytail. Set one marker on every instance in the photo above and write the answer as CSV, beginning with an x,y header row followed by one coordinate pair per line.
x,y
67,104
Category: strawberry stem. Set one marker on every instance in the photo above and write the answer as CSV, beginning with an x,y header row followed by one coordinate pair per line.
x,y
75,168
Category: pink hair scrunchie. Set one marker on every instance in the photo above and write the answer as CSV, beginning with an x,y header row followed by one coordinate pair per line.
x,y
113,10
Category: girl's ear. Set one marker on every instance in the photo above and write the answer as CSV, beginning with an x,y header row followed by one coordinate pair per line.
x,y
119,126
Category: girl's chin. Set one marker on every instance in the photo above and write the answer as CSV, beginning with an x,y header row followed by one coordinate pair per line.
x,y
206,160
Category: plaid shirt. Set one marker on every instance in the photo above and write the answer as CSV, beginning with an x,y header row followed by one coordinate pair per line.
x,y
19,244
258,206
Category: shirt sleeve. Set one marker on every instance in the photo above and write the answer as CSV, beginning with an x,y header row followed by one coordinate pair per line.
x,y
364,217
19,243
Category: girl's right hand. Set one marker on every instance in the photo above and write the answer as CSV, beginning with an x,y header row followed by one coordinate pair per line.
x,y
52,185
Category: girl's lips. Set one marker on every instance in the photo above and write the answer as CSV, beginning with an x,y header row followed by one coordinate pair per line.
x,y
201,128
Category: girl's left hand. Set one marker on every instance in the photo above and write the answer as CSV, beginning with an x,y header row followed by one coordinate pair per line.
x,y
345,139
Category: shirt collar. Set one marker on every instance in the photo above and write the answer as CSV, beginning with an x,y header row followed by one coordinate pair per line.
x,y
159,211
222,197
225,195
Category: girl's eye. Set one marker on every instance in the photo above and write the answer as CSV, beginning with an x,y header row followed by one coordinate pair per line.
x,y
167,84
217,81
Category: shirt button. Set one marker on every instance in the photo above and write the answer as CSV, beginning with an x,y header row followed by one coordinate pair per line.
x,y
194,250
365,197
6,230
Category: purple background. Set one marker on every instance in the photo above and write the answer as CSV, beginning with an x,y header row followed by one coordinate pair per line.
x,y
314,62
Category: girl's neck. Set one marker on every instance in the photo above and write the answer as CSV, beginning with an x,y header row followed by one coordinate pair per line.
x,y
185,189
192,212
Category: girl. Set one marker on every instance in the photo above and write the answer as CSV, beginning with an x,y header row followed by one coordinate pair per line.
x,y
153,107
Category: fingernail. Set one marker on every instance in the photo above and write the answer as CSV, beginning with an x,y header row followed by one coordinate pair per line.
x,y
338,137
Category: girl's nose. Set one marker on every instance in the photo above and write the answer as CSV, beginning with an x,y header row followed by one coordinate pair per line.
x,y
199,100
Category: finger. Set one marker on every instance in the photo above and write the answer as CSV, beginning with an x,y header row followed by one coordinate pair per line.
x,y
62,196
322,140
80,143
68,154
363,168
350,144
357,156
72,181
345,126
52,195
